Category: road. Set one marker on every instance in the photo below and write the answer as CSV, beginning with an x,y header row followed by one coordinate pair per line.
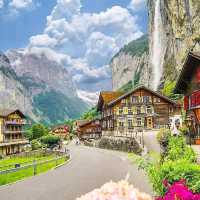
x,y
151,142
88,169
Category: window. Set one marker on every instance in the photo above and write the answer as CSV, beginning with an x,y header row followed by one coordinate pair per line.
x,y
120,110
146,99
135,99
123,101
139,122
130,123
149,110
130,111
171,110
138,109
157,100
121,124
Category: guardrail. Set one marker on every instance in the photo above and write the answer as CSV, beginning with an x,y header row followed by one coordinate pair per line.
x,y
32,164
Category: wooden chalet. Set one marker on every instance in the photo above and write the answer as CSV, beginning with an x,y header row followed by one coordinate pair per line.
x,y
138,109
11,132
189,84
90,130
61,131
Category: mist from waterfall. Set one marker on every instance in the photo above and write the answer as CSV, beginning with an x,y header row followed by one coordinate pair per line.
x,y
157,56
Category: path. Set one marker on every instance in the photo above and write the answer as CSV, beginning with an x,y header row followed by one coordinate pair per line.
x,y
151,142
89,169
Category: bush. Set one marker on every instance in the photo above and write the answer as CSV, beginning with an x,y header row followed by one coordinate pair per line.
x,y
178,163
163,136
173,171
50,140
177,149
184,130
35,144
37,131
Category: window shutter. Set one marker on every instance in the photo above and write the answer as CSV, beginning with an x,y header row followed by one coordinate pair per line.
x,y
143,109
125,110
117,110
134,122
142,121
134,110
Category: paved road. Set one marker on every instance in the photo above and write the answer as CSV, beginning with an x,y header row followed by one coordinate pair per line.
x,y
89,168
150,141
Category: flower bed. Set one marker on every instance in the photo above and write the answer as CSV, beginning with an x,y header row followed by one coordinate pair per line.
x,y
116,191
178,191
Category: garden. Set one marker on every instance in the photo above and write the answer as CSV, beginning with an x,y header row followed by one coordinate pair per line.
x,y
174,174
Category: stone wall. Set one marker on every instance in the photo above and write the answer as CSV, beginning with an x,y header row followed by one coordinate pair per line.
x,y
121,144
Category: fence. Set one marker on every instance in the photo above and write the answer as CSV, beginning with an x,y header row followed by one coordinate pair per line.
x,y
33,164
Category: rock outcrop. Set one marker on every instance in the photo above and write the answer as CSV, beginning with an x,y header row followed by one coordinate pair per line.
x,y
180,34
131,64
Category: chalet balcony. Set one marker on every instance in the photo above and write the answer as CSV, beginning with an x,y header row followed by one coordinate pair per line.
x,y
7,142
192,101
16,122
13,131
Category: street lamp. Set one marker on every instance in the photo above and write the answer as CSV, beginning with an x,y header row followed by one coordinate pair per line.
x,y
188,122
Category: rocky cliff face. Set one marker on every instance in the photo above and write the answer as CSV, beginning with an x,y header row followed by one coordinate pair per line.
x,y
179,28
181,33
131,64
40,87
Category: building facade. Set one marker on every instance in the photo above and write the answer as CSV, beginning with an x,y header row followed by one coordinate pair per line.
x,y
11,132
90,130
61,131
189,84
136,110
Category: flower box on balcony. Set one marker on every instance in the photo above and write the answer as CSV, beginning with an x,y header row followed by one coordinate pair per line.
x,y
197,141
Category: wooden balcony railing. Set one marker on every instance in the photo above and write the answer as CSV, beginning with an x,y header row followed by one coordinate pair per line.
x,y
6,131
192,101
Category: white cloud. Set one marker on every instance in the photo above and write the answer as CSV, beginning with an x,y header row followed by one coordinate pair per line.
x,y
87,96
43,40
65,9
136,5
85,42
20,4
1,4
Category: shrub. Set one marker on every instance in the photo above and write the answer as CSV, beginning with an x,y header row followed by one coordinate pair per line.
x,y
50,140
178,190
35,144
163,136
37,131
174,171
184,130
177,149
178,163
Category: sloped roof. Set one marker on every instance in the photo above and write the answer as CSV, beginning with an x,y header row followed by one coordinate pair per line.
x,y
138,88
107,96
189,66
6,112
88,122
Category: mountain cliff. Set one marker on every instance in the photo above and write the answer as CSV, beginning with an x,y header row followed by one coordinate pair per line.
x,y
131,64
40,87
173,32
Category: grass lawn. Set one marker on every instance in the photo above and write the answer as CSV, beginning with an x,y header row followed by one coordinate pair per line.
x,y
23,173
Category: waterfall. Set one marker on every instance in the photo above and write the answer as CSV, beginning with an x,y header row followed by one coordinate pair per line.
x,y
157,56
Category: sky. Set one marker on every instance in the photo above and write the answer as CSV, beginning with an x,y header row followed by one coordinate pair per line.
x,y
82,35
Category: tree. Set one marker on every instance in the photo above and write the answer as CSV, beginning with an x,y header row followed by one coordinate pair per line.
x,y
50,140
37,131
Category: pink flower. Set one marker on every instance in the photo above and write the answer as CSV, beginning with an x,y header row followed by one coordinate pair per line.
x,y
178,191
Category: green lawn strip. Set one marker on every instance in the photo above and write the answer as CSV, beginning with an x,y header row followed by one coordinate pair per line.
x,y
24,173
10,162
